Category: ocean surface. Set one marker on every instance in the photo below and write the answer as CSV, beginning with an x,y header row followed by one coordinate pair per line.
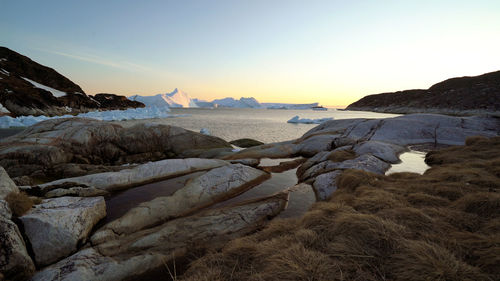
x,y
266,125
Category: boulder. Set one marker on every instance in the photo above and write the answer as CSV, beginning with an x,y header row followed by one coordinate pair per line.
x,y
287,149
56,227
148,250
15,263
384,151
315,144
246,143
249,162
138,175
366,162
207,189
52,143
325,184
89,264
6,184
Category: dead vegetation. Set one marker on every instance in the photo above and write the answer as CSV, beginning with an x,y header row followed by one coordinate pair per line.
x,y
19,203
443,225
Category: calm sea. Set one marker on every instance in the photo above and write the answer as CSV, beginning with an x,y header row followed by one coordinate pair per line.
x,y
266,125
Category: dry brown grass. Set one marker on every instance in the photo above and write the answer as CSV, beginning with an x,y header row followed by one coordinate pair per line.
x,y
443,225
342,155
19,203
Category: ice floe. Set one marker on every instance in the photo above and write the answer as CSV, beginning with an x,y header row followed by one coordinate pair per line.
x,y
128,114
297,120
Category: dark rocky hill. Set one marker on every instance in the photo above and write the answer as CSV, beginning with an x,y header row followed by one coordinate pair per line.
x,y
457,96
29,88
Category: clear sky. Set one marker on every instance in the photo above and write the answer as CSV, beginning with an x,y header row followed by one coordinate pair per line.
x,y
331,52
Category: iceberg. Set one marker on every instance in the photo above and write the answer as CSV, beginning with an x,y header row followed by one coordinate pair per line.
x,y
290,105
241,103
297,120
177,98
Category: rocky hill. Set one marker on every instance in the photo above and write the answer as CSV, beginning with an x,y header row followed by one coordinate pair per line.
x,y
29,88
457,96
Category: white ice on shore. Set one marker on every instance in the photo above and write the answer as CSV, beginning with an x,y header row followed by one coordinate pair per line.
x,y
55,93
110,115
296,120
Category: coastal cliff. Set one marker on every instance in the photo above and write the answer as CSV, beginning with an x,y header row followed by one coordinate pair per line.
x,y
456,96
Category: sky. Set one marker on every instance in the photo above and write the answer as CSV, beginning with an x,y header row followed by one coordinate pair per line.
x,y
331,52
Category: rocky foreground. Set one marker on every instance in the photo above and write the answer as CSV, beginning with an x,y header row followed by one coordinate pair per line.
x,y
456,96
71,168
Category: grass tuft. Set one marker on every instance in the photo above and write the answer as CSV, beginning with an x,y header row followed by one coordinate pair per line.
x,y
19,203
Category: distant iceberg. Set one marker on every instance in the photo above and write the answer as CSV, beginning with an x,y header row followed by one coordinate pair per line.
x,y
241,103
177,98
297,120
290,105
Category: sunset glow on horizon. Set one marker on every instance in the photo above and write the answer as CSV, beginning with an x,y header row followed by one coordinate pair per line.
x,y
331,52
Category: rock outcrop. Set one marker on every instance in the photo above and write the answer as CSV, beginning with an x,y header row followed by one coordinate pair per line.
x,y
139,175
29,88
207,189
52,148
456,96
150,249
15,263
6,184
115,102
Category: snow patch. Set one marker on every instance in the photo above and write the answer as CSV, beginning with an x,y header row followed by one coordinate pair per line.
x,y
3,59
111,115
55,93
5,72
297,120
3,109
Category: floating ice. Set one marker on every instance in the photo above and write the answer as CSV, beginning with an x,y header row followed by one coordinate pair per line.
x,y
297,120
110,115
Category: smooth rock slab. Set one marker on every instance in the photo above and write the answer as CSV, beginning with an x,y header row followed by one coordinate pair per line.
x,y
57,226
6,184
139,175
214,186
366,162
385,151
325,184
15,263
147,250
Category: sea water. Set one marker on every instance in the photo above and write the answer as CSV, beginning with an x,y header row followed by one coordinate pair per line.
x,y
266,125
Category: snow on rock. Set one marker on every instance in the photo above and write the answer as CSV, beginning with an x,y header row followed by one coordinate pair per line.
x,y
3,109
296,119
177,98
5,72
110,115
55,93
